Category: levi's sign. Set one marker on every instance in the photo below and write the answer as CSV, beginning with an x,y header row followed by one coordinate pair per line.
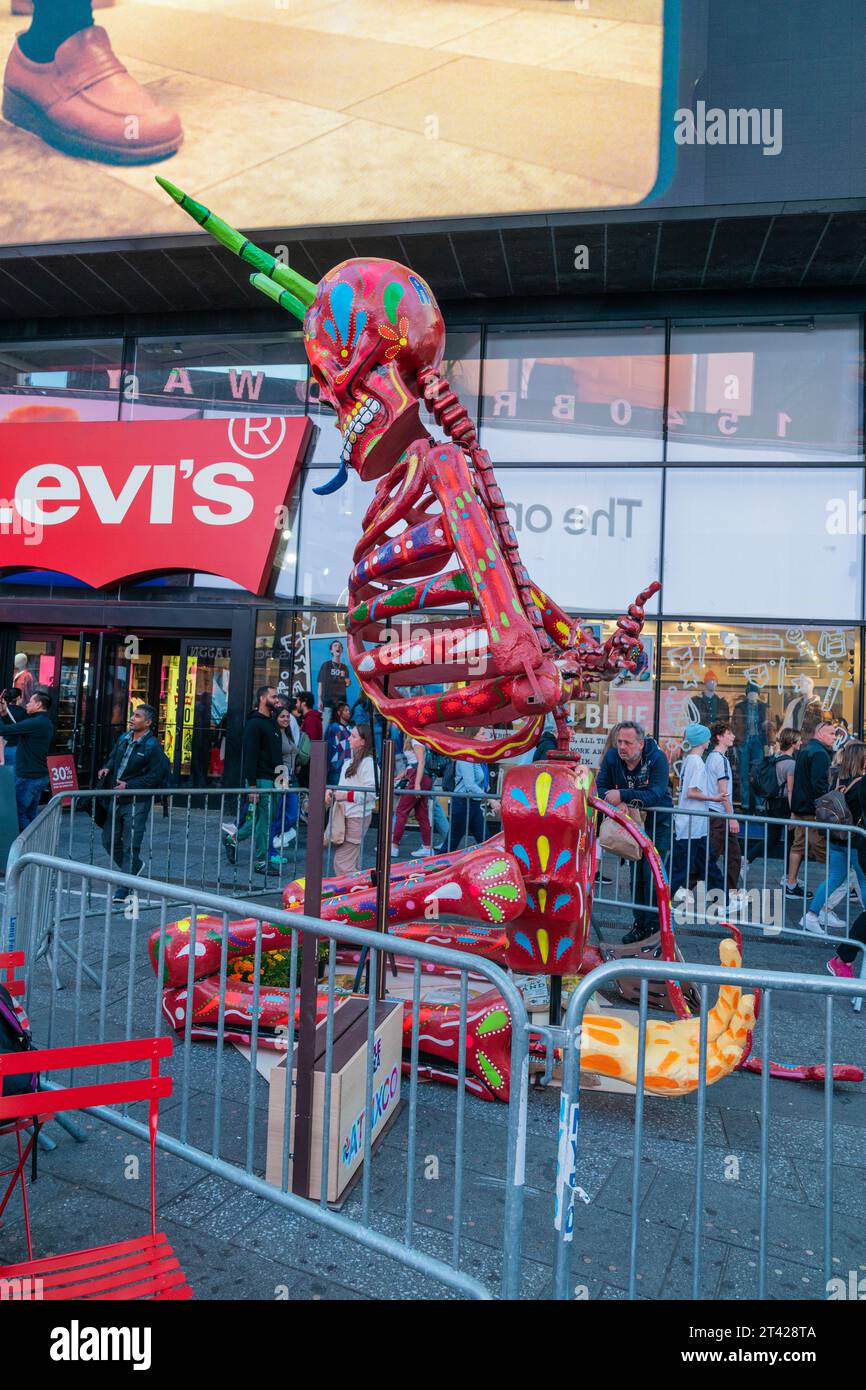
x,y
104,502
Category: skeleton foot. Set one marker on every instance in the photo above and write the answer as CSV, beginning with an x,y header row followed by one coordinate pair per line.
x,y
610,1046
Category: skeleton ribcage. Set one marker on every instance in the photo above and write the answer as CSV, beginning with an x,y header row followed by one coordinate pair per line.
x,y
406,565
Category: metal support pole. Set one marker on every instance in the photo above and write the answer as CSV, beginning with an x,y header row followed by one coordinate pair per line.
x,y
555,1017
383,856
302,1147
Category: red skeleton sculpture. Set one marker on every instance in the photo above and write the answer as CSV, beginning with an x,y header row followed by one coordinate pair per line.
x,y
436,537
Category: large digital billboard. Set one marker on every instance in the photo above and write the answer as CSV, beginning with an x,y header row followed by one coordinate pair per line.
x,y
303,113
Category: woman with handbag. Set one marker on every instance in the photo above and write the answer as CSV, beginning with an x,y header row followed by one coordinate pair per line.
x,y
847,777
352,800
285,820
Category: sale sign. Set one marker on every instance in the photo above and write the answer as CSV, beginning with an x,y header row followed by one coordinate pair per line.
x,y
62,776
108,501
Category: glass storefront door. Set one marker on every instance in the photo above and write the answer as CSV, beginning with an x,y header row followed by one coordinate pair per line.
x,y
186,682
205,668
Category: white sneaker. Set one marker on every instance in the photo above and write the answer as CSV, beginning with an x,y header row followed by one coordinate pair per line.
x,y
423,852
282,841
828,918
809,921
229,827
395,851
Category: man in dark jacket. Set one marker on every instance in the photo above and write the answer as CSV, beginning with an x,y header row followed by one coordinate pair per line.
x,y
811,780
636,773
261,755
32,730
137,762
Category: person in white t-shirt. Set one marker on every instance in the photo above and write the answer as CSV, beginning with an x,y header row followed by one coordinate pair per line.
x,y
724,827
357,791
691,860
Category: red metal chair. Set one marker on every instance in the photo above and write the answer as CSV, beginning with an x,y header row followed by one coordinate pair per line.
x,y
9,961
130,1269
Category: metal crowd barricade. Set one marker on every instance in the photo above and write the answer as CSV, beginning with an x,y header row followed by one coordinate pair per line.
x,y
113,997
27,901
186,840
568,1212
762,905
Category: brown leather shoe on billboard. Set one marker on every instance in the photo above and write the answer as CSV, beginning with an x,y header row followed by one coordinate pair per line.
x,y
86,103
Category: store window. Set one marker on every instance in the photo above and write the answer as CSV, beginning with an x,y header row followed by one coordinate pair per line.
x,y
767,543
612,701
590,537
587,395
304,651
330,528
211,377
762,677
758,392
60,382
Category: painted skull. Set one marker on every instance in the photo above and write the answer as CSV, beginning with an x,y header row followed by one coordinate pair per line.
x,y
369,328
372,326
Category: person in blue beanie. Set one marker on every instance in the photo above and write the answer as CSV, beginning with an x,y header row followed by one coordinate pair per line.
x,y
691,859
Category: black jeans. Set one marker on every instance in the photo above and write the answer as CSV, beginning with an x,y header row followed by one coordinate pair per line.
x,y
466,819
123,832
658,827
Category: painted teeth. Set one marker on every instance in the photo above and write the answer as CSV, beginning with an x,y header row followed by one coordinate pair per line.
x,y
361,415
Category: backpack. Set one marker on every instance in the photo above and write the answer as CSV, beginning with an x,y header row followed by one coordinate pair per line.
x,y
832,809
166,771
303,754
435,763
449,776
14,1037
765,783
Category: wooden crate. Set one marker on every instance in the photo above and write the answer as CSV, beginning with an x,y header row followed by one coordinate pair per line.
x,y
348,1094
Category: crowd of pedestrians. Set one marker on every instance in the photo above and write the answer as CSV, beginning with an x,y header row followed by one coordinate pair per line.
x,y
814,775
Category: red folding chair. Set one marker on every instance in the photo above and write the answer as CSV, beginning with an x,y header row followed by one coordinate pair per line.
x,y
130,1269
9,961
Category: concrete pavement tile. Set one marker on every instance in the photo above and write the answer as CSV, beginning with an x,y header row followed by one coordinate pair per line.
x,y
216,1269
315,68
229,1206
640,11
742,1128
282,1236
307,1288
600,1247
785,1280
794,1232
395,171
226,130
233,1128
67,201
849,1187
628,53
101,1164
570,123
530,38
404,21
677,1282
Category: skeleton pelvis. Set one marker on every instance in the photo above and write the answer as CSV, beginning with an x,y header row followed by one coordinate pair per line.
x,y
548,827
